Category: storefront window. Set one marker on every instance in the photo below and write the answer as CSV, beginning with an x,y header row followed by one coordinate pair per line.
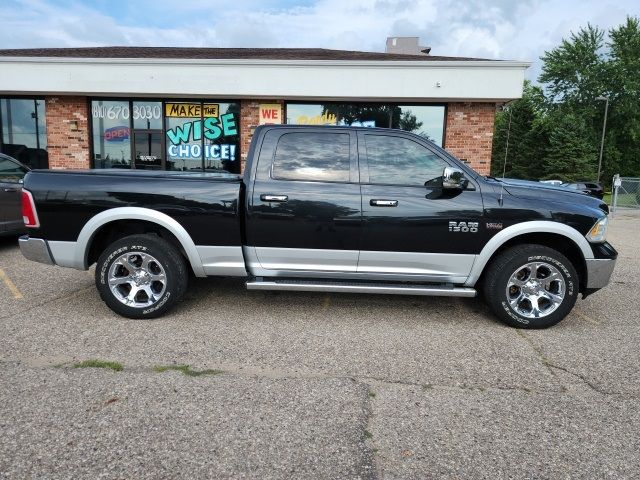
x,y
24,131
111,134
170,135
425,120
147,115
202,135
223,152
184,143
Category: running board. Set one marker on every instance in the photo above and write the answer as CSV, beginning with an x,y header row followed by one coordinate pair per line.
x,y
443,290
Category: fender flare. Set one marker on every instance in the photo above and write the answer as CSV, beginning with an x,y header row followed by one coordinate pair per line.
x,y
536,226
136,213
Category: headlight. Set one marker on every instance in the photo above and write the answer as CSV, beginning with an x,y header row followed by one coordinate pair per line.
x,y
599,231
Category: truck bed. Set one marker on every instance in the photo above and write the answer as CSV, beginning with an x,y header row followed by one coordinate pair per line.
x,y
204,203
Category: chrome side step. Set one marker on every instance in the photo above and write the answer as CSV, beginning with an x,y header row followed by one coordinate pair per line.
x,y
444,290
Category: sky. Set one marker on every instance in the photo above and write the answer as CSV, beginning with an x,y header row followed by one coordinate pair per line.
x,y
499,29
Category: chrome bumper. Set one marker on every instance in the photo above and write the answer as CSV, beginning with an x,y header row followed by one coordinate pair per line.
x,y
599,272
35,249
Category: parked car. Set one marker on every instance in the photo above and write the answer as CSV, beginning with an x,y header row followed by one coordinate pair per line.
x,y
12,173
590,188
330,209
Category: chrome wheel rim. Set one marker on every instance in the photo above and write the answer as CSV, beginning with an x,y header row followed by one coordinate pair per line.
x,y
535,290
137,279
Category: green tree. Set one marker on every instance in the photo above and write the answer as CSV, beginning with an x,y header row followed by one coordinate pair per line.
x,y
571,150
575,71
622,147
523,122
589,64
586,67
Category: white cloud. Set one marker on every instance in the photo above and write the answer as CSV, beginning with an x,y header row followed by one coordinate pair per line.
x,y
504,29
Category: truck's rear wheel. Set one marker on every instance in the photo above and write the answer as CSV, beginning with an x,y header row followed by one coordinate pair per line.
x,y
531,286
141,276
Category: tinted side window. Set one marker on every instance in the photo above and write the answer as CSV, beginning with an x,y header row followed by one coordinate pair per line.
x,y
10,171
400,161
320,157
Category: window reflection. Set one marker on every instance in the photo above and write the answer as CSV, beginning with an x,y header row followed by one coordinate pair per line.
x,y
111,134
147,115
312,156
24,130
400,161
424,120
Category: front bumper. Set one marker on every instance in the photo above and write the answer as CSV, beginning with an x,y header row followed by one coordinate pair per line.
x,y
600,268
35,249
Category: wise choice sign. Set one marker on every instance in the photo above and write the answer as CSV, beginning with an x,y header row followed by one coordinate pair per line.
x,y
201,121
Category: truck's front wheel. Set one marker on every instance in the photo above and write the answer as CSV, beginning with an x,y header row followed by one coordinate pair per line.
x,y
141,276
531,286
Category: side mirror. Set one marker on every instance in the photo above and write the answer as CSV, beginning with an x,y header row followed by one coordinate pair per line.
x,y
453,178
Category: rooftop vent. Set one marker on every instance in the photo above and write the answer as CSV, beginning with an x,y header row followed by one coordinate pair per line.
x,y
406,45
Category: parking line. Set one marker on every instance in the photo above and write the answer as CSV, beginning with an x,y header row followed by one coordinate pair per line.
x,y
10,285
326,302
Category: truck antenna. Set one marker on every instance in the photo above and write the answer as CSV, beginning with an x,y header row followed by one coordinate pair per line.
x,y
506,151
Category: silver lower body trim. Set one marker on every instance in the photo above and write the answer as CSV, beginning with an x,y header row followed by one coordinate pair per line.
x,y
222,261
599,272
320,286
416,263
66,254
308,259
352,265
35,249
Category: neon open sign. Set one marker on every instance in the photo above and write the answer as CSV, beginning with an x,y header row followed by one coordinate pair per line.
x,y
116,134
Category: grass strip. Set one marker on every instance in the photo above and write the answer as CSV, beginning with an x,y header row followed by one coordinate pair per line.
x,y
115,366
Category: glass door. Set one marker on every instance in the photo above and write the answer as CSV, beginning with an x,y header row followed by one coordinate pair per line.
x,y
148,149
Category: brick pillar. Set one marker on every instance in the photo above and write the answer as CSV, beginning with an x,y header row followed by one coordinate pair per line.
x,y
249,120
67,132
469,133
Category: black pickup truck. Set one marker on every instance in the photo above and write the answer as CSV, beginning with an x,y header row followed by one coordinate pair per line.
x,y
330,209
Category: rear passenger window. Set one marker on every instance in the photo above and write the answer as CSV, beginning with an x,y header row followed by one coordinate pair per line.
x,y
320,157
400,161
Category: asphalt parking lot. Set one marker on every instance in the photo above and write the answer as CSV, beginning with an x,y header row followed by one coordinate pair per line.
x,y
299,385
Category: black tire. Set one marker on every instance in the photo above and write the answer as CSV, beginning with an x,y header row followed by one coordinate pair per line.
x,y
162,280
511,302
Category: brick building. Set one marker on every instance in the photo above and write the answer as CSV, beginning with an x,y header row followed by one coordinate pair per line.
x,y
196,108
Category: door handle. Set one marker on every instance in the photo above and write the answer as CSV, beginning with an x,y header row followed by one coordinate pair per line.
x,y
273,198
383,203
10,189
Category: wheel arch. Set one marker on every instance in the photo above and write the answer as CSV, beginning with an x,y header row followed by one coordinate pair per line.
x,y
115,223
563,238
